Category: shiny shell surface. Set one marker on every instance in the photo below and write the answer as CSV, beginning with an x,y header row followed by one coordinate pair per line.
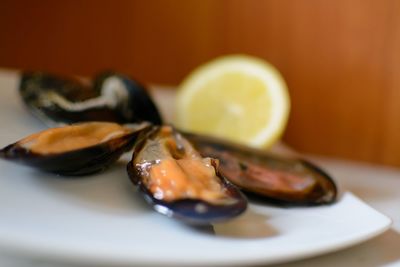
x,y
110,97
77,149
279,180
167,171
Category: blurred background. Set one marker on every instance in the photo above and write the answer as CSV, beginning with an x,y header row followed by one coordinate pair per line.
x,y
341,59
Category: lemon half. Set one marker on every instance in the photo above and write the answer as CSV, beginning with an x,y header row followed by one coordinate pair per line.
x,y
240,98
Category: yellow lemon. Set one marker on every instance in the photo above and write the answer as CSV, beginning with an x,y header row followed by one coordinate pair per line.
x,y
240,98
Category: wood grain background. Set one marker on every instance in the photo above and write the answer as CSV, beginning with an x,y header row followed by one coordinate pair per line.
x,y
341,59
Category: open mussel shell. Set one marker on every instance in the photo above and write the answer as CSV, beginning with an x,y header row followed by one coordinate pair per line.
x,y
277,179
111,97
78,149
176,181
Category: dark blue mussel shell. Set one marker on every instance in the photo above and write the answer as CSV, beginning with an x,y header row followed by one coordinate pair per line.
x,y
111,97
286,181
81,161
189,210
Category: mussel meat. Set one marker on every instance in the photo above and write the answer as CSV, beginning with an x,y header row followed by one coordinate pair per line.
x,y
178,182
78,149
286,181
112,97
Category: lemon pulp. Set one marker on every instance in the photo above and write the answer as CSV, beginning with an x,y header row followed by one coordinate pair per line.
x,y
239,98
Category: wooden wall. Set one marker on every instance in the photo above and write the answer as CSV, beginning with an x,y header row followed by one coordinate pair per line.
x,y
341,59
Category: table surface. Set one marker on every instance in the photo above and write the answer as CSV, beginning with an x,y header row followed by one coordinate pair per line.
x,y
378,186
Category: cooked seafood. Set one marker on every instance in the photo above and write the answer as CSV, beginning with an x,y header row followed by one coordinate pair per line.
x,y
281,180
77,149
113,97
178,182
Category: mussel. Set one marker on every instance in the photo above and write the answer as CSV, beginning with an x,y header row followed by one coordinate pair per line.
x,y
112,97
178,182
78,149
285,181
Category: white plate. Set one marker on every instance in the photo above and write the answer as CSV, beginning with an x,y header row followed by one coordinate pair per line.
x,y
102,219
